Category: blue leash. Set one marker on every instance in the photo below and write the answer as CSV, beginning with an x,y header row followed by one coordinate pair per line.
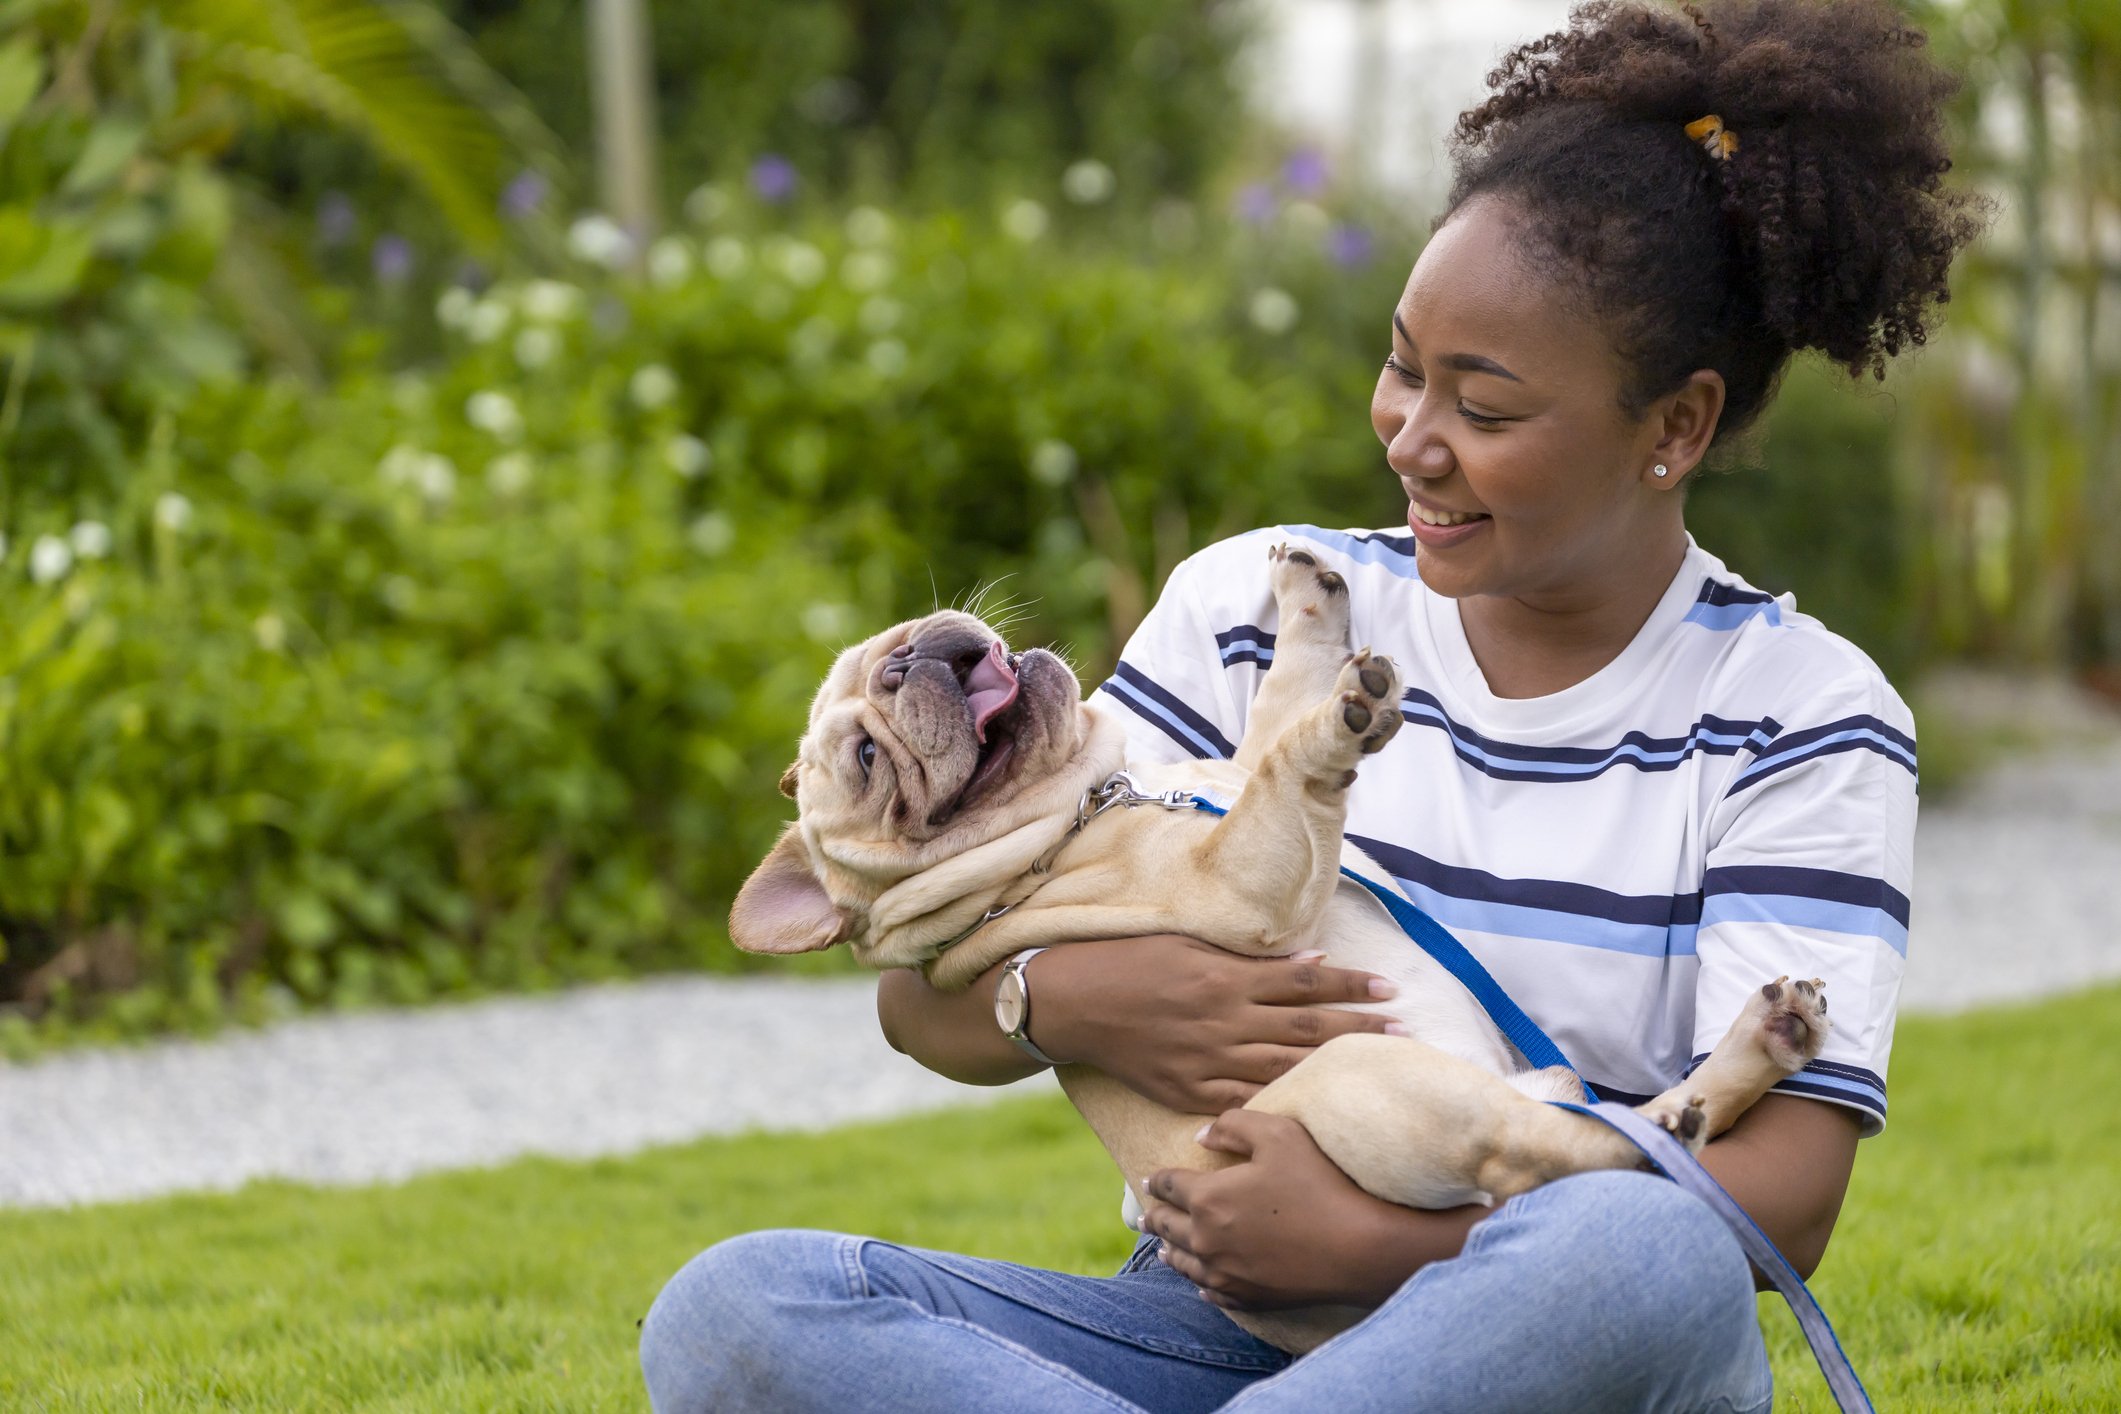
x,y
1665,1153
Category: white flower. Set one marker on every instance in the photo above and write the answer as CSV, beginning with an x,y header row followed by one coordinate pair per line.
x,y
828,623
726,257
688,455
652,386
712,533
495,414
880,314
536,347
453,307
1052,462
669,261
865,269
868,226
887,358
1026,220
486,321
706,203
91,539
550,301
436,477
410,394
803,264
270,630
49,559
509,473
1273,310
1088,182
172,511
813,340
400,465
599,240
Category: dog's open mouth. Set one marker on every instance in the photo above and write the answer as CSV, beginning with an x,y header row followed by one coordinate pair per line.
x,y
991,691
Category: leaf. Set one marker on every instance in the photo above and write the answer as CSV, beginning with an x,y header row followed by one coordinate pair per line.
x,y
41,263
112,145
21,75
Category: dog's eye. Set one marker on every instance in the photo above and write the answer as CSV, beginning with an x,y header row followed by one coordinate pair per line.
x,y
866,755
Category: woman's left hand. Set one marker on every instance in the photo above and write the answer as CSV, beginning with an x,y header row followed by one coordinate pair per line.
x,y
1284,1228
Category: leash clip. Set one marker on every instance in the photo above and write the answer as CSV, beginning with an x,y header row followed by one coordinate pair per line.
x,y
1120,788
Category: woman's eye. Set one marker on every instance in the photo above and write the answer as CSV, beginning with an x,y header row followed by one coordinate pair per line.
x,y
1405,373
866,755
1480,419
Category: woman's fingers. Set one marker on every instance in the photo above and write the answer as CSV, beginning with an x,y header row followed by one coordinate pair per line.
x,y
1313,1026
1279,982
1261,1063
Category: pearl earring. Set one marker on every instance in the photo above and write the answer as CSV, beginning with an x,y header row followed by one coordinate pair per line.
x,y
1660,470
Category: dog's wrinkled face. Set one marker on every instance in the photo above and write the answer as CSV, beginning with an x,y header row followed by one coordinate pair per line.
x,y
924,741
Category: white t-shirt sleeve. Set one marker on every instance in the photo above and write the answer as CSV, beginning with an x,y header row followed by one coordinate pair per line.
x,y
1809,872
1172,681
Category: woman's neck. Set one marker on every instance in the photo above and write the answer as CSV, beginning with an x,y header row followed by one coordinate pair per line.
x,y
1538,645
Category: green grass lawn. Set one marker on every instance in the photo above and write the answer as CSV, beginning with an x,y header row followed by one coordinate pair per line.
x,y
1978,1264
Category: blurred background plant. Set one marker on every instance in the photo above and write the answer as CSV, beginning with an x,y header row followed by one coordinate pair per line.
x,y
412,574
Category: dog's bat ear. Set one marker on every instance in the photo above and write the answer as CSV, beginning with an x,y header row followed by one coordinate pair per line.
x,y
788,781
782,906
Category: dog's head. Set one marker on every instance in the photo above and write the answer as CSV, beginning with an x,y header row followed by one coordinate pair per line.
x,y
928,740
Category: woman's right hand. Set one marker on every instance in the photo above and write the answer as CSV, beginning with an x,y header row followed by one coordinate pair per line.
x,y
1188,1025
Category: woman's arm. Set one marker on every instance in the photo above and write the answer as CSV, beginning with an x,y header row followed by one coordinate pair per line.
x,y
1190,1026
1288,1228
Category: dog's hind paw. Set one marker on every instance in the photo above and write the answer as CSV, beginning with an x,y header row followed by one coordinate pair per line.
x,y
1791,1017
1313,599
1688,1122
1369,700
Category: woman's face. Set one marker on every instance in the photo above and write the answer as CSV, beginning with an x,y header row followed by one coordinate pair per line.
x,y
1501,414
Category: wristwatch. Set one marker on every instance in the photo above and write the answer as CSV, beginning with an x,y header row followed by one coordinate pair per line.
x,y
1012,1005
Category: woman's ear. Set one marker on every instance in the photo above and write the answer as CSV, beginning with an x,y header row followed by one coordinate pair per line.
x,y
782,906
1688,421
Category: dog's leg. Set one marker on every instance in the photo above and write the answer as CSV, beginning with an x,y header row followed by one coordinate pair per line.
x,y
1278,850
1782,1028
1310,644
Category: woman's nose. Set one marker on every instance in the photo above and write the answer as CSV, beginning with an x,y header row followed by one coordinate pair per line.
x,y
1412,448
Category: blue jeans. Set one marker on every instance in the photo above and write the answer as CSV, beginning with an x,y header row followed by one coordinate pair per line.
x,y
1605,1291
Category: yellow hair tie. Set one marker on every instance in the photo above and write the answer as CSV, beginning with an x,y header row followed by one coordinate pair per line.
x,y
1715,140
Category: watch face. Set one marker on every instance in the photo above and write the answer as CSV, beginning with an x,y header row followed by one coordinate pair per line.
x,y
1009,1003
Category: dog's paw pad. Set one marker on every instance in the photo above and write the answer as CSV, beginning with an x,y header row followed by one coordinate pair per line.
x,y
1793,1024
1355,713
1369,696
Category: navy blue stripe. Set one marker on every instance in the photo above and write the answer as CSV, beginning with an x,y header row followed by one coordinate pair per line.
x,y
1618,1097
1709,735
1148,687
1796,1084
1798,740
1155,718
1719,594
1755,774
1245,633
1823,1067
1232,660
1554,895
1797,882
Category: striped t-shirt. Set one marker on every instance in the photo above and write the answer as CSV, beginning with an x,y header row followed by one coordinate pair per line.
x,y
1729,800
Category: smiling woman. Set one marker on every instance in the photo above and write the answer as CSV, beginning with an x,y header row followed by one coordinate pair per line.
x,y
1629,782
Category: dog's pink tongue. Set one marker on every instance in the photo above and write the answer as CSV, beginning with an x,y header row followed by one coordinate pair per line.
x,y
990,687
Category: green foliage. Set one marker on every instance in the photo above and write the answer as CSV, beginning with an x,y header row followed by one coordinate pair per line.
x,y
956,101
1976,1265
483,676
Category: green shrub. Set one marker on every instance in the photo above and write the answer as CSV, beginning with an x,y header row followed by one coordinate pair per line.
x,y
481,676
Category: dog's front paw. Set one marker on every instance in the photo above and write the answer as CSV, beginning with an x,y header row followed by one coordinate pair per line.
x,y
1687,1122
1791,1018
1368,692
1313,599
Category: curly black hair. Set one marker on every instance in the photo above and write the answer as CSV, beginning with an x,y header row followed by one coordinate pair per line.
x,y
1829,227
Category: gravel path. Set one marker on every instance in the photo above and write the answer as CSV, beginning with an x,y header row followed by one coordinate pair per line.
x,y
2020,895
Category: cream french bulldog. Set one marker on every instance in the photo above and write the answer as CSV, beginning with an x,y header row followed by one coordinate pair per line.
x,y
942,779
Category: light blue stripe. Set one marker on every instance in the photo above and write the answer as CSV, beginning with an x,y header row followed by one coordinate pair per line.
x,y
1516,920
1792,911
1423,712
1812,748
1367,552
1157,710
1863,1090
1729,616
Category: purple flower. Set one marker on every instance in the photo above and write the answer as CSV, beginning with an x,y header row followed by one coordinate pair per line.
x,y
1349,246
335,220
1305,172
773,178
523,196
392,258
1255,204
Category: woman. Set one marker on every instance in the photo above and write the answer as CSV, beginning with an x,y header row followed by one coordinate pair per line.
x,y
1631,783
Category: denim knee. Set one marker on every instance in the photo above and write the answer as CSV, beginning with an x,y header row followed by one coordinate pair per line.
x,y
716,1313
1640,1240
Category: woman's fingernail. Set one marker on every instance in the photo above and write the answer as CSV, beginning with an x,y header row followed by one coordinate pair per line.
x,y
1393,1028
1163,1253
1382,989
1201,1135
1308,955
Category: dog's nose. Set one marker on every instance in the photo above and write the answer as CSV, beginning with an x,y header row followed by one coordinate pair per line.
x,y
895,664
960,647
